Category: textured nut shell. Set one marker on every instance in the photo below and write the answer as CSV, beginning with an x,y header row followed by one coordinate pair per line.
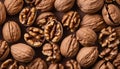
x,y
69,46
94,21
11,31
90,6
86,36
56,66
118,2
87,56
114,13
13,6
22,52
2,13
63,5
38,63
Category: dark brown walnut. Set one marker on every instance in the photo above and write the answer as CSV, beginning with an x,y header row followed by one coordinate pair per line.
x,y
63,5
111,14
71,20
43,19
13,6
52,51
87,56
69,46
22,52
102,64
116,61
90,6
4,50
72,64
34,36
11,31
93,21
56,66
27,16
2,13
53,30
86,36
37,63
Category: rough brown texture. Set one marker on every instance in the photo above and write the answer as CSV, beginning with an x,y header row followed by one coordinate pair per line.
x,y
53,31
117,30
27,16
116,61
102,64
2,13
69,46
52,52
37,63
13,6
4,50
34,36
14,31
111,14
90,6
63,5
93,21
87,56
56,66
22,52
71,20
86,36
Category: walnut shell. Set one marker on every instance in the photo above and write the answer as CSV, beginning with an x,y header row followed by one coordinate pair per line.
x,y
56,66
11,31
22,52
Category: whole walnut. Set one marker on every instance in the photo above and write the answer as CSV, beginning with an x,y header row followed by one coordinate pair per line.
x,y
13,6
94,21
87,56
69,46
2,13
22,52
90,6
11,31
63,5
86,36
111,14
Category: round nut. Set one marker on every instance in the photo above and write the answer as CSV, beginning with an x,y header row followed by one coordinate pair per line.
x,y
13,6
86,36
2,13
22,52
13,29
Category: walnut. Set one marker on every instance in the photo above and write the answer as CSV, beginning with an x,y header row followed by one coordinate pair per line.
x,y
71,20
4,49
56,66
27,16
116,61
52,51
34,36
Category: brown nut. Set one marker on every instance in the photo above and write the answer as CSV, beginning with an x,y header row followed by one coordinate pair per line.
x,y
37,63
117,30
56,66
4,49
102,64
69,46
22,67
116,61
87,56
13,6
118,2
22,52
86,36
11,31
111,14
93,21
90,6
71,20
27,16
53,31
2,13
63,5
43,19
52,52
34,36
72,64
